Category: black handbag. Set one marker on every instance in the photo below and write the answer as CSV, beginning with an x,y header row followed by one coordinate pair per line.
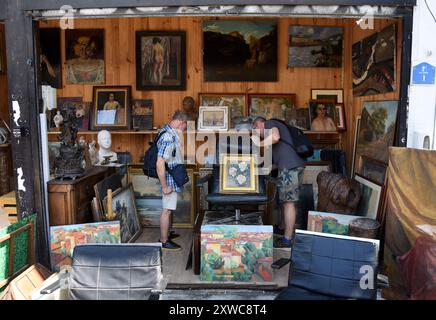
x,y
179,174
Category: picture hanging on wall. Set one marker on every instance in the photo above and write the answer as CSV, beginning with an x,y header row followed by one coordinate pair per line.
x,y
142,114
50,44
111,107
84,54
373,63
235,102
322,115
315,46
236,50
376,132
328,94
160,60
280,106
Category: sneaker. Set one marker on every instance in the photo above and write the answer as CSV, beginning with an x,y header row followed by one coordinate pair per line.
x,y
283,243
170,246
173,235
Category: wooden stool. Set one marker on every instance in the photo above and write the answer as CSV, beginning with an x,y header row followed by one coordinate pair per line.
x,y
8,202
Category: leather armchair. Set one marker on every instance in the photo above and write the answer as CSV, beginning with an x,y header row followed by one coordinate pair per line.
x,y
113,272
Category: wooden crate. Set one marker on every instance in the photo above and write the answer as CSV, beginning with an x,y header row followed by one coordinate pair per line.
x,y
8,203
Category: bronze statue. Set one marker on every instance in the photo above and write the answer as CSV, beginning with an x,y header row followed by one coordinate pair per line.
x,y
337,193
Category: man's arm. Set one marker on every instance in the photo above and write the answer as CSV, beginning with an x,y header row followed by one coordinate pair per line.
x,y
160,168
270,139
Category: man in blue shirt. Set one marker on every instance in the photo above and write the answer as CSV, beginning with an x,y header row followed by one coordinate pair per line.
x,y
169,153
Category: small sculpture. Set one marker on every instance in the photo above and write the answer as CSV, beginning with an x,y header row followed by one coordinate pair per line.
x,y
337,193
105,154
93,152
189,108
58,119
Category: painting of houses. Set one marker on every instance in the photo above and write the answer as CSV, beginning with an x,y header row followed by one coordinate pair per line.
x,y
63,239
236,253
329,222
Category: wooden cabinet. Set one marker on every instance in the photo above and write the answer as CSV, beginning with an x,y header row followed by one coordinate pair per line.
x,y
69,201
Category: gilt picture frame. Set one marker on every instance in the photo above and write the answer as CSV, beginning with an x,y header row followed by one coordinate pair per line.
x,y
239,174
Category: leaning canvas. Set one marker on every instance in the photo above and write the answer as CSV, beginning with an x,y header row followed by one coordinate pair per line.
x,y
329,222
63,239
239,253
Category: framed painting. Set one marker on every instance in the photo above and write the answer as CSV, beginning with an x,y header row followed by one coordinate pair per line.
x,y
315,46
376,131
50,45
111,107
328,94
280,106
54,151
63,239
160,60
311,171
240,50
124,208
84,53
2,52
302,120
142,114
81,108
113,183
340,117
332,223
322,115
184,215
356,134
369,205
373,170
213,118
373,63
236,103
238,174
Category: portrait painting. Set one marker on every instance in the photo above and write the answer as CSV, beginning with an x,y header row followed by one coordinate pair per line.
x,y
50,57
238,174
280,106
373,170
328,94
142,114
213,118
63,239
369,204
81,109
332,223
111,107
234,102
373,63
236,50
377,130
160,60
315,46
124,209
84,52
322,115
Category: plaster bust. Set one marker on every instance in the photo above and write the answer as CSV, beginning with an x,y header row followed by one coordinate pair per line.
x,y
105,142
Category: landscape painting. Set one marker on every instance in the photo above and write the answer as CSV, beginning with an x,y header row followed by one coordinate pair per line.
x,y
315,46
373,170
373,63
236,253
63,239
234,102
329,222
376,131
369,204
280,106
236,50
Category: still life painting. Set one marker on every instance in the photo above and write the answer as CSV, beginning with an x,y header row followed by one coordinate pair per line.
x,y
238,174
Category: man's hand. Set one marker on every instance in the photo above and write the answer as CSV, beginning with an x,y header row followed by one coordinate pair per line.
x,y
167,190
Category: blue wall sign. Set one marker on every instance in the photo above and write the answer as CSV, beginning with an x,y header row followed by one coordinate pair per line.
x,y
423,73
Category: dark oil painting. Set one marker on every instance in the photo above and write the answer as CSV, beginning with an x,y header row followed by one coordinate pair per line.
x,y
50,57
237,50
374,63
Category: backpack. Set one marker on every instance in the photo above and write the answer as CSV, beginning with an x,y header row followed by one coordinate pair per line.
x,y
302,144
150,158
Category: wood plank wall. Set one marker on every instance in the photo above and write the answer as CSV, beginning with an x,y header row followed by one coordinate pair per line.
x,y
120,70
4,110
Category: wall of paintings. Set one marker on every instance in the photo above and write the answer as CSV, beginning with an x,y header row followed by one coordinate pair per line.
x,y
289,76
